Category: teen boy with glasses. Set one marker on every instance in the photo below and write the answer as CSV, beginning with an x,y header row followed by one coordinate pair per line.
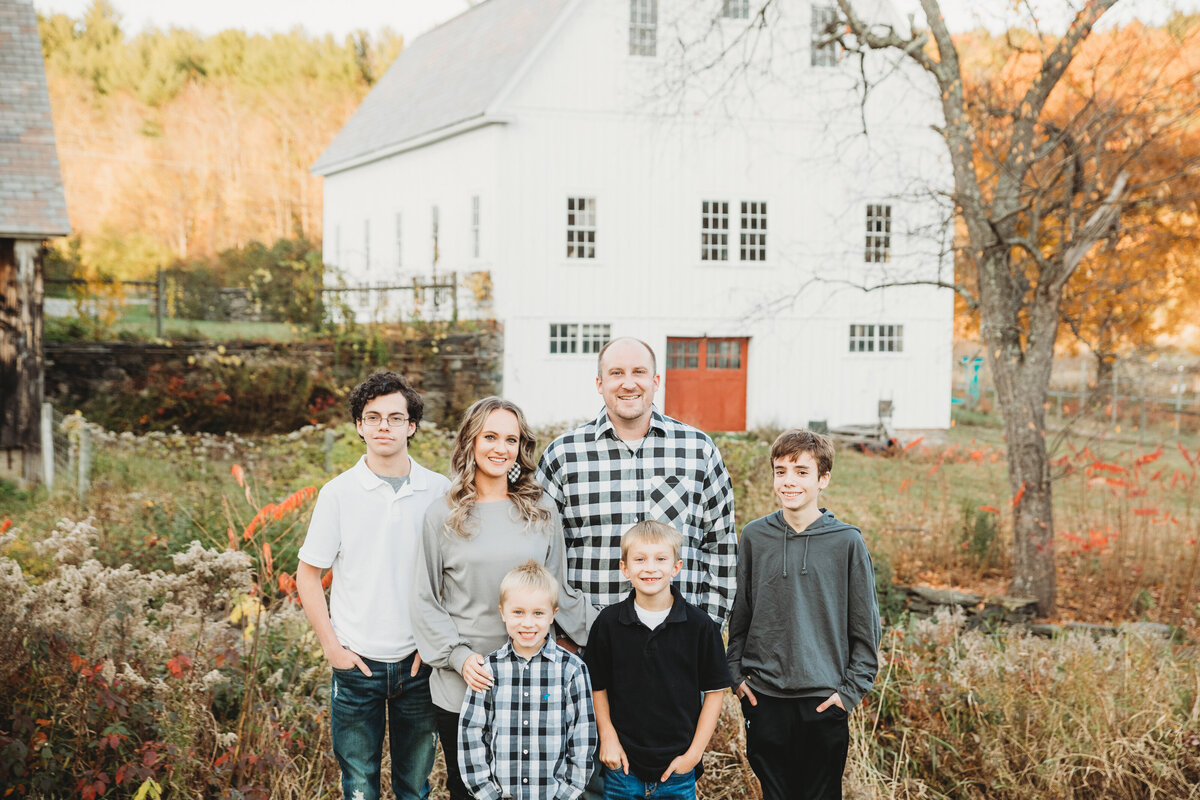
x,y
366,526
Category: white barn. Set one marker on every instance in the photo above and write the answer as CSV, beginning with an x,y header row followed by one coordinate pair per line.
x,y
616,177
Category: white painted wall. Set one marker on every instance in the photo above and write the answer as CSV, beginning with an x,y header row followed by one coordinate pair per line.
x,y
588,120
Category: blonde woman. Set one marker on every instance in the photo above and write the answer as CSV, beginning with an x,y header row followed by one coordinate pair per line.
x,y
493,519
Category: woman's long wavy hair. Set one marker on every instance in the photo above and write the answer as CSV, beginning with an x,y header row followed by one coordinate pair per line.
x,y
525,493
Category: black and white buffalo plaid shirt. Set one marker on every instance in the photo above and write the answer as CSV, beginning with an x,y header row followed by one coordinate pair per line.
x,y
676,476
530,736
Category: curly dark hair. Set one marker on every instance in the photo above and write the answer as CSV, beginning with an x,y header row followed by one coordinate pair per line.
x,y
382,383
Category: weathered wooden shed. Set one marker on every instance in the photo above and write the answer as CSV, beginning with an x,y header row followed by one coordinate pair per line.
x,y
33,208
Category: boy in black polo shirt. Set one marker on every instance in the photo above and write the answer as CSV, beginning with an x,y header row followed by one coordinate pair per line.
x,y
651,656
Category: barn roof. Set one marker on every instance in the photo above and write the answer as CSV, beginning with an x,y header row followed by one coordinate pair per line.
x,y
32,203
447,78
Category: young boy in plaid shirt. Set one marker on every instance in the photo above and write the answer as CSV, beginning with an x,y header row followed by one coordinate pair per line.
x,y
531,735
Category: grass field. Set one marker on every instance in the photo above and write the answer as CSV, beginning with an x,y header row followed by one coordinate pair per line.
x,y
137,321
134,656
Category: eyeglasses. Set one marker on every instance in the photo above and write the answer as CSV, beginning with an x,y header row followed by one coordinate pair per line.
x,y
373,420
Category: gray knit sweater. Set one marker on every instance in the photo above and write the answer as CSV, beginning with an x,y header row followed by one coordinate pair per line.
x,y
456,588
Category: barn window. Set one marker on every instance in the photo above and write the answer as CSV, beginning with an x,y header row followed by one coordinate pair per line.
x,y
878,338
567,338
724,354
736,9
824,54
581,227
714,230
879,234
683,354
643,27
475,226
754,231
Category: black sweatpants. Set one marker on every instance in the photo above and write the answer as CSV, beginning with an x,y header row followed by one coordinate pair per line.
x,y
796,753
447,727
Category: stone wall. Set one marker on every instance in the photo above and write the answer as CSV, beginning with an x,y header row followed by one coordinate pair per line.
x,y
450,370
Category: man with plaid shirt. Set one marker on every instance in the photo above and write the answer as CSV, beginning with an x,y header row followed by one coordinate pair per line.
x,y
633,463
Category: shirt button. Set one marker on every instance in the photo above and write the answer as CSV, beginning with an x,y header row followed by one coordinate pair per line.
x,y
527,694
526,780
526,752
526,722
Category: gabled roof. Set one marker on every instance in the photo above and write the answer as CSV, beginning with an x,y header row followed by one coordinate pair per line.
x,y
447,78
32,203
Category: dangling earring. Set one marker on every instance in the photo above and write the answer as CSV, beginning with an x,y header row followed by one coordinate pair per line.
x,y
514,473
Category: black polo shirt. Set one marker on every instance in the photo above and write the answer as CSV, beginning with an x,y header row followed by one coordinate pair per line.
x,y
655,678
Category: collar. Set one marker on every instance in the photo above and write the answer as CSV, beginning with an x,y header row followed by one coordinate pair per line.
x,y
418,476
602,426
550,651
627,614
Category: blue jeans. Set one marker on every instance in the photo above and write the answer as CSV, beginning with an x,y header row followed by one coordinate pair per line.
x,y
361,706
619,786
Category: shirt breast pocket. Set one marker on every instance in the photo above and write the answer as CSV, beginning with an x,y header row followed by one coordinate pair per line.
x,y
672,499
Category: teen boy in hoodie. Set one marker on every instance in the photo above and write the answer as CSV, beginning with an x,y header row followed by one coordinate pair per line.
x,y
804,630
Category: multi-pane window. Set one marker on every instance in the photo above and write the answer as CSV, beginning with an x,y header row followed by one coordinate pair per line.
x,y
879,233
754,231
724,354
643,27
433,229
714,230
572,338
683,354
736,9
475,226
884,338
399,241
367,244
824,53
581,227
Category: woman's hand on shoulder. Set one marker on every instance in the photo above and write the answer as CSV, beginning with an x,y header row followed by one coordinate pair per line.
x,y
476,673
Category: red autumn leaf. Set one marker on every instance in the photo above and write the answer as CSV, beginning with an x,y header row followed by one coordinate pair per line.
x,y
1145,512
4,526
1020,493
904,484
1099,466
1149,458
990,509
914,443
179,664
239,475
327,580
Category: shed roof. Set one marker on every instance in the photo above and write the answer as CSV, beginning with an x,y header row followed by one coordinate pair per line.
x,y
32,202
447,77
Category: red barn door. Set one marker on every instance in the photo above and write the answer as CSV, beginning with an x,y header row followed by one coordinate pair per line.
x,y
706,382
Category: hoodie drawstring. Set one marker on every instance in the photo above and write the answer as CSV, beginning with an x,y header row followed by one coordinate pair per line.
x,y
804,564
785,538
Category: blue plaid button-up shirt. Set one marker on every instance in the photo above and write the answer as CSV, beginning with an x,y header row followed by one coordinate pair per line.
x,y
531,736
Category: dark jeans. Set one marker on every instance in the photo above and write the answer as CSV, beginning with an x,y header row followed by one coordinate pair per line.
x,y
796,753
619,786
447,725
361,706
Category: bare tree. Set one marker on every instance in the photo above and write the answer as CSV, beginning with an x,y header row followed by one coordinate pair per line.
x,y
1043,172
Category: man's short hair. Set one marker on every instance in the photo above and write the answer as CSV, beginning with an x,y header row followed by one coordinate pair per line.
x,y
651,531
530,575
611,342
383,383
790,444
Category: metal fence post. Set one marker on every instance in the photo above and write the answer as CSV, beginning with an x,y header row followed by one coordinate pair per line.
x,y
48,446
85,464
329,437
160,303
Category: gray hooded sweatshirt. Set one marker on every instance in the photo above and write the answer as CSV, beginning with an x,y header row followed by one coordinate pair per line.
x,y
805,621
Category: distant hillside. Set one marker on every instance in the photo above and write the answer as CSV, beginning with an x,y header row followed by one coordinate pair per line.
x,y
176,145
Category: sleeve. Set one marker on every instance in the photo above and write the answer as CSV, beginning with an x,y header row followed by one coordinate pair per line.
x,y
324,537
714,672
575,614
743,610
549,475
863,628
475,756
598,655
581,739
719,543
438,640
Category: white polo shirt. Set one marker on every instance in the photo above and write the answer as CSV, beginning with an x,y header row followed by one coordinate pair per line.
x,y
368,533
